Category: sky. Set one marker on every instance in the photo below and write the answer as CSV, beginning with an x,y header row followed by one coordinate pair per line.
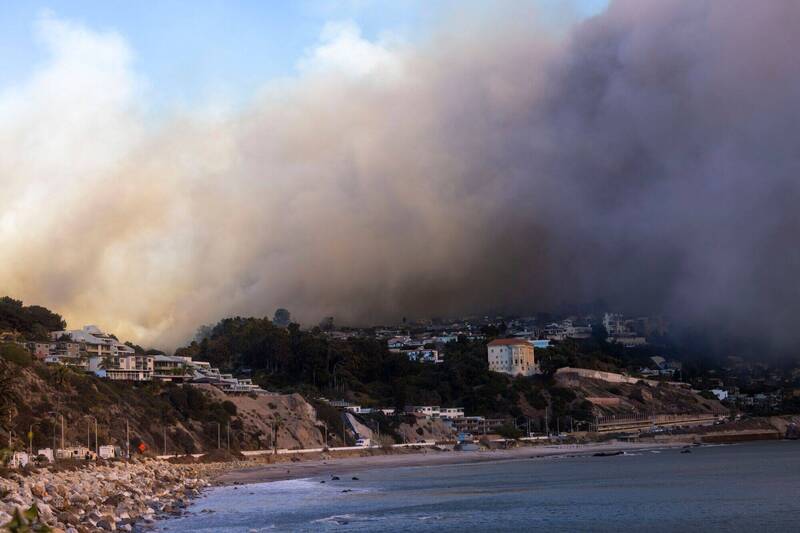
x,y
213,51
165,165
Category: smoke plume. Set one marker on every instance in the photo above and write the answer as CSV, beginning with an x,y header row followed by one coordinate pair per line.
x,y
648,156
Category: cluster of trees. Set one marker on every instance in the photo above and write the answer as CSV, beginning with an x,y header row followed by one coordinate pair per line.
x,y
33,322
365,371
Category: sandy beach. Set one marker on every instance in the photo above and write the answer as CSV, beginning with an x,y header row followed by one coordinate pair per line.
x,y
346,466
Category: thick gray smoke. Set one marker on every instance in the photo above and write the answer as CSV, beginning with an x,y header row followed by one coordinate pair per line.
x,y
649,157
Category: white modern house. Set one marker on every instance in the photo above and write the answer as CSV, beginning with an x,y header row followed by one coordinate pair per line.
x,y
93,342
451,413
512,356
434,411
424,355
100,353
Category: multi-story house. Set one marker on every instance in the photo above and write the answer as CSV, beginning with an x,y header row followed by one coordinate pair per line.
x,y
103,353
93,342
512,356
67,353
123,367
39,350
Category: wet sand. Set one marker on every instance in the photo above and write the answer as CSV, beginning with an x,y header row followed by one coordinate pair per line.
x,y
348,466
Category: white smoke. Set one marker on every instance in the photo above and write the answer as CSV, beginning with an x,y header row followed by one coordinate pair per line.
x,y
646,157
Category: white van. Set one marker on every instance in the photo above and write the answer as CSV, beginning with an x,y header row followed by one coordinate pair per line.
x,y
366,443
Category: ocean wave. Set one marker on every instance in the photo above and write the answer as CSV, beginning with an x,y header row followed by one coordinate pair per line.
x,y
344,519
339,519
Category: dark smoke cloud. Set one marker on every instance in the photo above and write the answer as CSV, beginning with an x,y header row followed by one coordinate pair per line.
x,y
649,158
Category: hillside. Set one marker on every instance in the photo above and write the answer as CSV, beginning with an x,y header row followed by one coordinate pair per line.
x,y
623,399
187,415
303,365
363,371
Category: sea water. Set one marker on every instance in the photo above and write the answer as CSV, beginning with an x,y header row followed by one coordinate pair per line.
x,y
744,487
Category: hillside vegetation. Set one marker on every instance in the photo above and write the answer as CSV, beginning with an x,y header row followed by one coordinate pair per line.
x,y
33,322
365,372
189,415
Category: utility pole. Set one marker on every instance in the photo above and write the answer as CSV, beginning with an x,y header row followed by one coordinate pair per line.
x,y
165,440
54,430
30,440
228,434
546,421
127,439
219,440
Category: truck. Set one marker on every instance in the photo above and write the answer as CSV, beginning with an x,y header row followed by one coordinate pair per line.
x,y
366,443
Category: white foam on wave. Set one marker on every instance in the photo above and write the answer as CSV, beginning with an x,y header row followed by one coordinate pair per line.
x,y
339,519
344,519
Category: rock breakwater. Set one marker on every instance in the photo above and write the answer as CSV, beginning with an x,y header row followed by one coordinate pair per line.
x,y
110,497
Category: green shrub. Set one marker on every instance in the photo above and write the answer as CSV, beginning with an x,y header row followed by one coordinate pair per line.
x,y
509,431
229,407
27,521
16,354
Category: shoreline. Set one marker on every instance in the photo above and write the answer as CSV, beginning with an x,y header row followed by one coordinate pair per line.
x,y
114,496
347,465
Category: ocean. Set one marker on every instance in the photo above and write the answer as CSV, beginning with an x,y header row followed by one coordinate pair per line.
x,y
743,487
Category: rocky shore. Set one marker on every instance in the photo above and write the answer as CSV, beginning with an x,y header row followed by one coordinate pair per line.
x,y
110,497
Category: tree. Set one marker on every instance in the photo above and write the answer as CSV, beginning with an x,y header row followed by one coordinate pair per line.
x,y
34,322
509,431
599,333
282,317
8,396
203,333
